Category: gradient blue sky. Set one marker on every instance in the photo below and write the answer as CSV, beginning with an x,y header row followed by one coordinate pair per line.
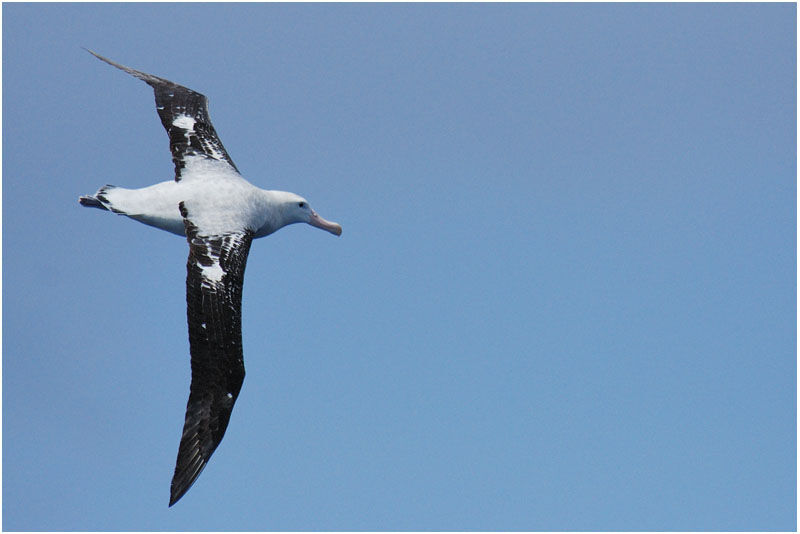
x,y
564,297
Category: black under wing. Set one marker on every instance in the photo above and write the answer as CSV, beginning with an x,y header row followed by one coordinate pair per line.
x,y
173,101
214,313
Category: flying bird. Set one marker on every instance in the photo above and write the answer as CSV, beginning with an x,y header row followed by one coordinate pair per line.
x,y
219,213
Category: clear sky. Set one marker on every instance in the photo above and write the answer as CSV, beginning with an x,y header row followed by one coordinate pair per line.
x,y
564,297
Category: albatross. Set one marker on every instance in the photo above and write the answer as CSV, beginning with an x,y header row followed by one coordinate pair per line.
x,y
219,213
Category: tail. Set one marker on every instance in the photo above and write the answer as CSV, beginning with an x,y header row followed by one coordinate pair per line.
x,y
91,202
98,200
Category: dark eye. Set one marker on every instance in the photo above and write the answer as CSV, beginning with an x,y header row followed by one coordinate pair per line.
x,y
302,204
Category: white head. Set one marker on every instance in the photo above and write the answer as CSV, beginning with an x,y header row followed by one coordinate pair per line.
x,y
296,209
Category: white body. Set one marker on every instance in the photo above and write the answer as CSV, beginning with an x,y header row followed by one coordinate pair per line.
x,y
219,199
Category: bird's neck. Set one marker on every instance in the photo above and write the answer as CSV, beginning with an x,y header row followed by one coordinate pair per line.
x,y
273,206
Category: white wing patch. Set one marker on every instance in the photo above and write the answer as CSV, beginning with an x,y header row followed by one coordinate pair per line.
x,y
184,121
213,272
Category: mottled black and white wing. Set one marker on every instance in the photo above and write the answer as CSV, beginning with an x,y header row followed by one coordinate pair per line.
x,y
184,114
214,277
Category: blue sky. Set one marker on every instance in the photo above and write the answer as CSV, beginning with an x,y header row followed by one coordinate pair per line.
x,y
564,297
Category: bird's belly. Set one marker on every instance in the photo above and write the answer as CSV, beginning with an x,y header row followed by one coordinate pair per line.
x,y
156,205
217,207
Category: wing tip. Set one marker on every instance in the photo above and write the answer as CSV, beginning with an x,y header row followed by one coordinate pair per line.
x,y
176,496
178,489
110,62
98,56
185,477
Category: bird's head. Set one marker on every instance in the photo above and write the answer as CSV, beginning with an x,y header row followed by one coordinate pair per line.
x,y
296,209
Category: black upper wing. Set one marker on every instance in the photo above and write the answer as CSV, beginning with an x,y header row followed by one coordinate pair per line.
x,y
215,273
184,114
